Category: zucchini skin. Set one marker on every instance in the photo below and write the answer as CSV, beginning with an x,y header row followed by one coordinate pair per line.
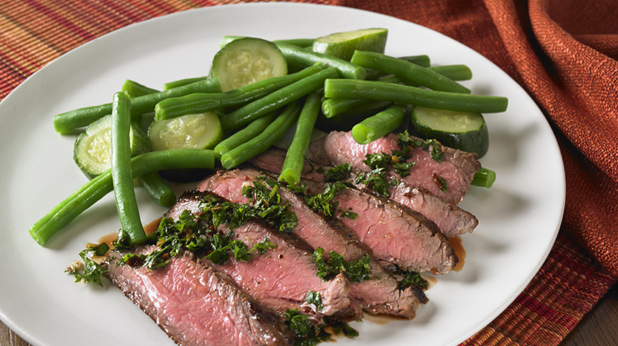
x,y
476,140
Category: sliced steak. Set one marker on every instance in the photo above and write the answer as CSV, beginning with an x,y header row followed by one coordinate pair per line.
x,y
379,295
395,234
196,305
450,219
281,278
456,168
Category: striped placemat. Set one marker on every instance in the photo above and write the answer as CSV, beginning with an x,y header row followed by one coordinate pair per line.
x,y
33,33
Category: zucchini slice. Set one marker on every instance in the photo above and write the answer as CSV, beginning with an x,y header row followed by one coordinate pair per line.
x,y
466,131
343,44
92,149
247,60
194,131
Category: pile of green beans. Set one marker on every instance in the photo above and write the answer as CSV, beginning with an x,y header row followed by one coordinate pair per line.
x,y
256,116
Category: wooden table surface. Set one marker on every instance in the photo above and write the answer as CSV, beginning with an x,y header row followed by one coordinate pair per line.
x,y
598,328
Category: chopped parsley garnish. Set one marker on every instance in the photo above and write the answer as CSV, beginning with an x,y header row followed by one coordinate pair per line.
x,y
349,214
403,168
331,266
308,334
267,204
199,233
338,173
407,144
315,299
378,178
324,203
440,182
375,180
92,271
411,278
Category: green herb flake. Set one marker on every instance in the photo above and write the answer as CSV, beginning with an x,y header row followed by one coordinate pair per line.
x,y
324,203
315,299
267,204
329,267
441,182
348,214
92,271
403,168
338,173
411,278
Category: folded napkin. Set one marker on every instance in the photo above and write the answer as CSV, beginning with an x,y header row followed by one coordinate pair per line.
x,y
561,51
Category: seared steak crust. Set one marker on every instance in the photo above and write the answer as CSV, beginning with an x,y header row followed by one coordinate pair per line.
x,y
196,305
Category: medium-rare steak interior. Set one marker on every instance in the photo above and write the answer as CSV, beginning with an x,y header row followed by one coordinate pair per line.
x,y
197,305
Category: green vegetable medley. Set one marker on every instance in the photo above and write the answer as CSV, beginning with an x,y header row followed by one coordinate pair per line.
x,y
257,91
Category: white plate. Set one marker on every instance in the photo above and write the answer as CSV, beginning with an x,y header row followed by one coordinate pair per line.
x,y
519,216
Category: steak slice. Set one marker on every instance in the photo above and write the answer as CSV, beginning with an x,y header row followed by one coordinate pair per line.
x,y
379,295
450,219
280,278
456,168
196,305
395,234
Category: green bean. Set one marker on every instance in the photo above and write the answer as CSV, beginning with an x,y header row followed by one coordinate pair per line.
x,y
203,102
181,82
334,106
158,189
379,125
263,141
454,72
407,71
347,88
295,156
254,128
484,177
72,120
124,193
94,190
421,60
152,182
295,55
135,89
276,100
